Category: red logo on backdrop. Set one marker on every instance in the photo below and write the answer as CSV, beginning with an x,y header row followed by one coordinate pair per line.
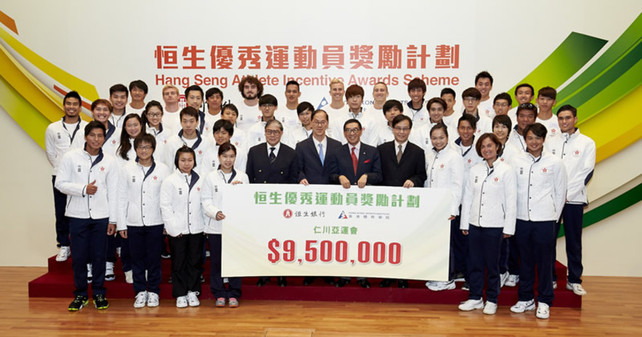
x,y
287,213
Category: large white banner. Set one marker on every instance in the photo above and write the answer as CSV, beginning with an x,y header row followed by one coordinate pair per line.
x,y
324,230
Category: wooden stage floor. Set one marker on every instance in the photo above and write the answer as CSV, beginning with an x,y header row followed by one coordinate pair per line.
x,y
613,306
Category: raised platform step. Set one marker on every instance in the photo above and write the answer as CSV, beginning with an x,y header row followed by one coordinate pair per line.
x,y
58,282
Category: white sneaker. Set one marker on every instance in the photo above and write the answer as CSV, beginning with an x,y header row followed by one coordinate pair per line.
x,y
181,302
440,285
63,254
141,299
89,276
109,271
543,311
490,308
522,306
576,288
192,299
554,284
129,276
512,280
503,278
152,300
470,305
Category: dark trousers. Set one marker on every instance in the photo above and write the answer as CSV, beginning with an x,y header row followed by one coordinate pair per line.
x,y
509,256
88,245
62,222
572,218
144,246
115,241
458,249
535,250
483,256
186,259
216,281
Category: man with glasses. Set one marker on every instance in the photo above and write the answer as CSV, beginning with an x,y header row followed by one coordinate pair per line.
x,y
357,164
272,162
472,97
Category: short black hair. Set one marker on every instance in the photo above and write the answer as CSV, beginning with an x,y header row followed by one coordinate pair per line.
x,y
400,118
392,103
140,85
268,99
72,94
303,106
118,88
484,74
213,91
184,149
94,125
503,96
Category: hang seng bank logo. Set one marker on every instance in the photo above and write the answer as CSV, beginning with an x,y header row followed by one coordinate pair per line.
x,y
287,213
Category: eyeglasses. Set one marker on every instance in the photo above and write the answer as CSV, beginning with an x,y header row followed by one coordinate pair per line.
x,y
353,130
273,132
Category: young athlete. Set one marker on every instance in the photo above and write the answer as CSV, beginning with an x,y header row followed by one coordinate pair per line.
x,y
180,204
211,199
140,222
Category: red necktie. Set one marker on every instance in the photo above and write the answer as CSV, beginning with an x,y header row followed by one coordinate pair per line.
x,y
354,161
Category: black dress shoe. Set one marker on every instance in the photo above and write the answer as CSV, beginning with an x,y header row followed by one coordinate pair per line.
x,y
262,281
341,282
385,283
403,284
364,283
281,281
308,280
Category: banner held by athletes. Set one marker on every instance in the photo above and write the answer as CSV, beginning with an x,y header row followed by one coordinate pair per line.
x,y
323,230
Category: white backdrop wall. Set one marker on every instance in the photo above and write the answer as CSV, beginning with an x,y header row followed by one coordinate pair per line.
x,y
113,42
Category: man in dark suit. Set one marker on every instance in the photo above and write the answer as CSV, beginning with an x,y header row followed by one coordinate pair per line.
x,y
357,164
275,163
317,160
317,154
272,162
403,164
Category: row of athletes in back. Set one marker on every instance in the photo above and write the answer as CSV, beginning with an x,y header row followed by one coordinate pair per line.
x,y
467,128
